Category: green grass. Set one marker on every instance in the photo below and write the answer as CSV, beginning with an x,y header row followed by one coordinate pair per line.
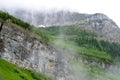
x,y
9,71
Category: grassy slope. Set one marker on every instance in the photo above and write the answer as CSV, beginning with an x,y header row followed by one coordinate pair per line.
x,y
9,71
83,42
77,40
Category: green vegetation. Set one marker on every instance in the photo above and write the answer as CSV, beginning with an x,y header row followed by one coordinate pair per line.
x,y
83,42
9,71
5,16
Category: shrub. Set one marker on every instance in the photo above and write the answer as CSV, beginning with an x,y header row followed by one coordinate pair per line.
x,y
23,77
16,71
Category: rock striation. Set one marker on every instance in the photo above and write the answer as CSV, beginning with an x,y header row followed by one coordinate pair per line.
x,y
23,49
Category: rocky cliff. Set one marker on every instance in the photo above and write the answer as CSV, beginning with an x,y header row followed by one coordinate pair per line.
x,y
104,27
23,49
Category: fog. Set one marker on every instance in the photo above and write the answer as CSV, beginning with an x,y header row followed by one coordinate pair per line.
x,y
82,70
108,7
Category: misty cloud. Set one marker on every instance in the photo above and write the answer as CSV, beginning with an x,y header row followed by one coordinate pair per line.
x,y
108,7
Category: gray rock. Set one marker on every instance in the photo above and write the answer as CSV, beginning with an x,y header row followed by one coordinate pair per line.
x,y
24,50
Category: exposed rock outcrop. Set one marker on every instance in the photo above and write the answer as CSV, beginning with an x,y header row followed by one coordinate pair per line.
x,y
27,51
104,27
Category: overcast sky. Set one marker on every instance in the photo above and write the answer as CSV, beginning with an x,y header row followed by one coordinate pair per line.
x,y
109,7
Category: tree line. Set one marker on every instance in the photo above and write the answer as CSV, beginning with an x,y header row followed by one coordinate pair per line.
x,y
5,16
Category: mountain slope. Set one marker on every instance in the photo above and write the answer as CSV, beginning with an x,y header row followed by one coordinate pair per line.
x,y
87,41
27,47
91,58
78,51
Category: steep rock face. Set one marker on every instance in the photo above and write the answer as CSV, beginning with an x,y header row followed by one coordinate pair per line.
x,y
105,28
24,50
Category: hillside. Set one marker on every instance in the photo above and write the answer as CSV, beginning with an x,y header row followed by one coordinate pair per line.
x,y
91,58
30,49
66,52
84,42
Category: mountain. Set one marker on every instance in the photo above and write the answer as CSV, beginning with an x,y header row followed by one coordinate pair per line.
x,y
78,49
105,27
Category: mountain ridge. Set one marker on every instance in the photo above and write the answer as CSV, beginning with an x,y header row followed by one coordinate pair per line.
x,y
42,17
105,27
